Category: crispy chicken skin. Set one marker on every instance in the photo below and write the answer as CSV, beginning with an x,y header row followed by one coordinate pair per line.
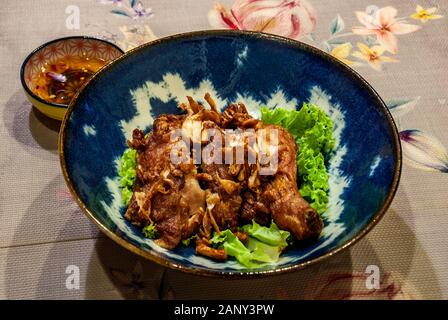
x,y
187,199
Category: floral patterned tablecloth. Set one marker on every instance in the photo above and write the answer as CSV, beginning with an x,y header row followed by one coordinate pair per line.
x,y
400,47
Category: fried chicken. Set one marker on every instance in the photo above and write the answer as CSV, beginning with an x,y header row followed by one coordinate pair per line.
x,y
165,194
194,197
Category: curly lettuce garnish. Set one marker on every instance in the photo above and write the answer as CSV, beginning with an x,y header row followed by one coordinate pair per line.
x,y
263,246
127,173
188,241
150,231
312,130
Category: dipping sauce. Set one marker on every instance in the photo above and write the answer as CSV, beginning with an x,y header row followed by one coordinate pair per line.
x,y
60,80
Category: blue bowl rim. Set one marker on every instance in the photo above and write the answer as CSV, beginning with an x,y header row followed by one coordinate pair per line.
x,y
32,53
237,274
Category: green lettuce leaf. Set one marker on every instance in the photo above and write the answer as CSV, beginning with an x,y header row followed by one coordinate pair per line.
x,y
150,231
272,236
218,239
127,174
263,252
263,246
126,195
186,242
235,248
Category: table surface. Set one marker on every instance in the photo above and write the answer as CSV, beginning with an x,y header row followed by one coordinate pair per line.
x,y
43,232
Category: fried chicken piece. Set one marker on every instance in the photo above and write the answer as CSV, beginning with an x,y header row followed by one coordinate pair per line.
x,y
276,196
165,194
289,210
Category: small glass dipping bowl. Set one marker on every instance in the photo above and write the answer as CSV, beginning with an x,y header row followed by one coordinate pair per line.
x,y
53,73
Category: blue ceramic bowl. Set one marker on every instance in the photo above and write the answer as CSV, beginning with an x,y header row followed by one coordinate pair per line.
x,y
260,70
